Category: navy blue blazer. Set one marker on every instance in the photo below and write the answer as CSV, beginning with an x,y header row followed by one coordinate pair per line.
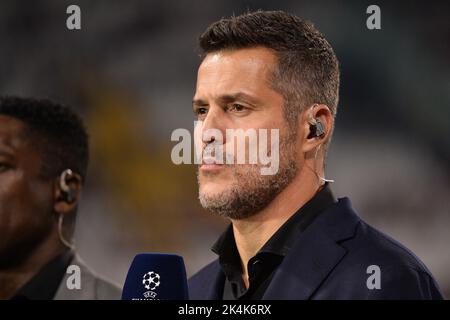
x,y
330,260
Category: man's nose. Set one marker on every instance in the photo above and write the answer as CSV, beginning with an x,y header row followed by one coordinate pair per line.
x,y
213,128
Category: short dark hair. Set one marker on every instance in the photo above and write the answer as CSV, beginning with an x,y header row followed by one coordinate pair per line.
x,y
61,135
308,69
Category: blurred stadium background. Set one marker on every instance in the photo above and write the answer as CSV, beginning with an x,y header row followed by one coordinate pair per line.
x,y
131,73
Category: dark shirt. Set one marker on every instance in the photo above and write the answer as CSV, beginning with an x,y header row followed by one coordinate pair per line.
x,y
43,286
263,265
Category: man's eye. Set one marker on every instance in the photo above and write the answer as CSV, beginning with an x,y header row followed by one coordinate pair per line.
x,y
4,167
201,111
236,107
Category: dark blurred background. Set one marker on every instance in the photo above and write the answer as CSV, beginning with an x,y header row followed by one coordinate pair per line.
x,y
131,71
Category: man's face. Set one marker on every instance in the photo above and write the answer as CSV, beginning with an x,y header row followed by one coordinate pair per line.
x,y
25,198
233,92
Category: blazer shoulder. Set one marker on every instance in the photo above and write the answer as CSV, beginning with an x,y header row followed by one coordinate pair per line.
x,y
403,274
376,245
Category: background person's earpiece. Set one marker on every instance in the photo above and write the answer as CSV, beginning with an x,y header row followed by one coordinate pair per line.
x,y
68,190
68,193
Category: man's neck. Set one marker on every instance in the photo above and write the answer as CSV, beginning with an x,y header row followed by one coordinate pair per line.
x,y
252,233
12,279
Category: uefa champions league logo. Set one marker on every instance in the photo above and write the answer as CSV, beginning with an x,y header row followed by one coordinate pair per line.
x,y
151,280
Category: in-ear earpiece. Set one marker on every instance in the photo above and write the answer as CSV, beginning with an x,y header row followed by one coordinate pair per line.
x,y
68,192
317,129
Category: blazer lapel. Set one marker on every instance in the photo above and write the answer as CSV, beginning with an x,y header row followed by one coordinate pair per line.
x,y
209,284
215,287
314,255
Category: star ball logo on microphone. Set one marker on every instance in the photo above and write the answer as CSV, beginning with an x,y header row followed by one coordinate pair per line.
x,y
151,280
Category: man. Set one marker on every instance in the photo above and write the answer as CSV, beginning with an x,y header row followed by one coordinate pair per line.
x,y
289,237
43,163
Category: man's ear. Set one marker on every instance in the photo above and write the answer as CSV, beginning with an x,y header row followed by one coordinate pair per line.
x,y
309,119
67,192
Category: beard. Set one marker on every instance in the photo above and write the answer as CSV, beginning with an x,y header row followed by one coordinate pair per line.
x,y
250,191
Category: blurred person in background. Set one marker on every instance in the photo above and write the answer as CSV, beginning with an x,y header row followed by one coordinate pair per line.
x,y
43,161
289,237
